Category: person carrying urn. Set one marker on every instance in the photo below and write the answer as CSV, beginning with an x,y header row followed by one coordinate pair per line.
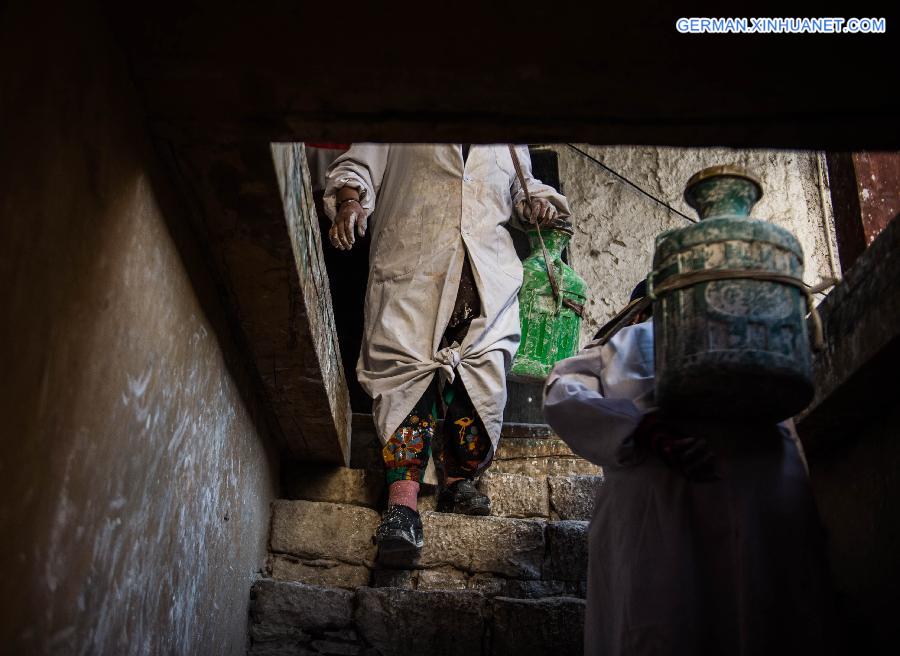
x,y
705,538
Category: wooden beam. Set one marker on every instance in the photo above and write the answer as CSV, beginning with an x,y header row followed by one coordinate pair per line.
x,y
306,242
613,73
252,205
856,372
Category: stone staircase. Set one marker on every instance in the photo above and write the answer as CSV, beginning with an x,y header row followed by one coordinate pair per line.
x,y
513,582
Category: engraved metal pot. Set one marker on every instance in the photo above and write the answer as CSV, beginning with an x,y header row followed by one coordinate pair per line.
x,y
732,348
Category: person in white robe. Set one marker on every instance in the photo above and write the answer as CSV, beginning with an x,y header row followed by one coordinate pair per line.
x,y
441,312
705,538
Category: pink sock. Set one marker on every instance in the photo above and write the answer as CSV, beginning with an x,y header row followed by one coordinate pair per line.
x,y
403,493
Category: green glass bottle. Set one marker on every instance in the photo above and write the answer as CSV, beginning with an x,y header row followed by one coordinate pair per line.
x,y
550,326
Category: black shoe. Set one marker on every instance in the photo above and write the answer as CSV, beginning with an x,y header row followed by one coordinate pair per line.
x,y
400,530
462,497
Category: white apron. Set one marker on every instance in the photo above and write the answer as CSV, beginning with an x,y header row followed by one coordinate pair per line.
x,y
428,208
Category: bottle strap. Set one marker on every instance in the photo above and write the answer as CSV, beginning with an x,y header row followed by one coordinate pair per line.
x,y
554,285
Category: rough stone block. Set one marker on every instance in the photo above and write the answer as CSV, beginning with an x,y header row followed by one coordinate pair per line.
x,y
523,627
516,495
284,648
396,621
444,578
572,467
572,497
399,560
519,448
566,551
345,635
277,633
316,530
526,429
540,457
489,586
500,587
332,648
545,466
535,589
427,501
359,487
318,572
298,606
395,578
498,545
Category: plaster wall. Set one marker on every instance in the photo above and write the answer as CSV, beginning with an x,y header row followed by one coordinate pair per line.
x,y
135,479
615,225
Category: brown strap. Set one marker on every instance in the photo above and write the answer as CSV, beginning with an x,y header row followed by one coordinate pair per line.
x,y
554,285
682,280
623,318
577,308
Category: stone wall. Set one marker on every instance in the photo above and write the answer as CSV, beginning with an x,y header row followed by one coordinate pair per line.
x,y
135,476
615,225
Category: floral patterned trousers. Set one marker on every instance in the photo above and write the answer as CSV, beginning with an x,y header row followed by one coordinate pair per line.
x,y
463,447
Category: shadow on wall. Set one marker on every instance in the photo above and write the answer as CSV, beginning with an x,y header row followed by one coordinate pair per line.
x,y
137,475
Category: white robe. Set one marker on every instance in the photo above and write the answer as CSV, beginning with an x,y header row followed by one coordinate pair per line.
x,y
427,209
733,566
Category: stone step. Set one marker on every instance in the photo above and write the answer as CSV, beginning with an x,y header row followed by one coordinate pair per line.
x,y
534,474
317,482
332,544
547,456
295,618
448,578
512,494
550,497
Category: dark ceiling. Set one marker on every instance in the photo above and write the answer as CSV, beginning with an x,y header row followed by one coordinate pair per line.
x,y
505,71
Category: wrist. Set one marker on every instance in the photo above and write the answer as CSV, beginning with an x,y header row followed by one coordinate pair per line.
x,y
341,203
345,194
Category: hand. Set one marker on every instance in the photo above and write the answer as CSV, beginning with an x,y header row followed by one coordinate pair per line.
x,y
692,456
540,211
350,215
